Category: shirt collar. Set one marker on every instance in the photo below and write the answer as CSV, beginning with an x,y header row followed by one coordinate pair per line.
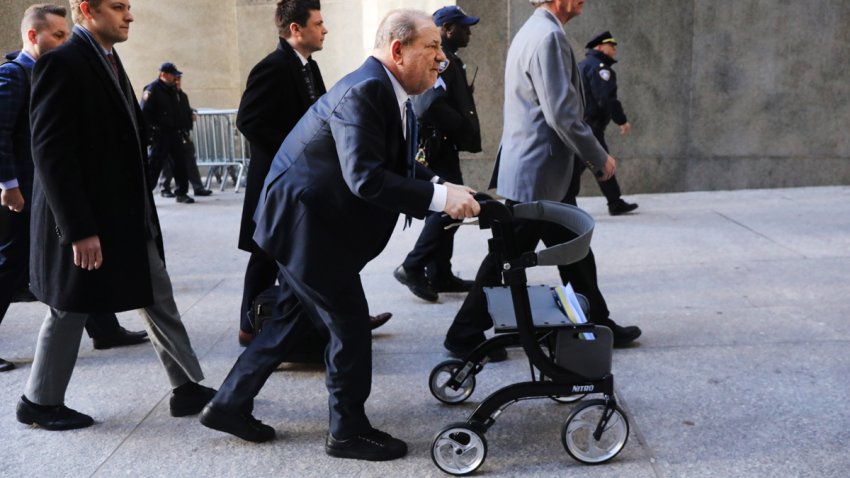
x,y
554,17
400,95
26,55
79,29
300,57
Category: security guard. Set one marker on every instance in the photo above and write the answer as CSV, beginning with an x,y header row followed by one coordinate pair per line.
x,y
448,124
162,112
601,107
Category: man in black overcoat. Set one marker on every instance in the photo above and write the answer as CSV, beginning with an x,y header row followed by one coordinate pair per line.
x,y
97,245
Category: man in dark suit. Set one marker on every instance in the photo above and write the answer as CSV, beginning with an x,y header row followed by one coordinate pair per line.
x,y
43,28
280,89
329,205
449,124
93,218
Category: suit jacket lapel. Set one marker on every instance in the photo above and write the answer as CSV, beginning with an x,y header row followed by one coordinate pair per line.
x,y
295,71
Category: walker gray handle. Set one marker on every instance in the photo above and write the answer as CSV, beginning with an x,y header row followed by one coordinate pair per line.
x,y
576,220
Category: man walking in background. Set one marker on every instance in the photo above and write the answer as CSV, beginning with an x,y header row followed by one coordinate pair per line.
x,y
601,107
449,124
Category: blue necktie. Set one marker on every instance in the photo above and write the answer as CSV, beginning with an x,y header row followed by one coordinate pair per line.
x,y
411,135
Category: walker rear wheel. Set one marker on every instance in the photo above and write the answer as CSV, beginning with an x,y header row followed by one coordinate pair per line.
x,y
578,438
440,376
459,449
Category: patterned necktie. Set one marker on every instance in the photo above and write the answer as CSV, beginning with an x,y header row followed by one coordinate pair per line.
x,y
411,135
308,80
112,63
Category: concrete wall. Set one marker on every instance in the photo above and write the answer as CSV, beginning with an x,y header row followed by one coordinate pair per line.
x,y
722,94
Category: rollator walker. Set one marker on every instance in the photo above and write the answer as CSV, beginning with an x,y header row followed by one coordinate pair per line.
x,y
567,360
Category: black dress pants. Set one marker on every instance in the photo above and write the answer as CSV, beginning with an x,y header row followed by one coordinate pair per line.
x,y
473,319
168,148
348,356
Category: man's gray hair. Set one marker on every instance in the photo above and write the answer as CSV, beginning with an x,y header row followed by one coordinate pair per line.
x,y
400,25
537,3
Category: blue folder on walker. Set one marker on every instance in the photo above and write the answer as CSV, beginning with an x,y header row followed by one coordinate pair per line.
x,y
567,302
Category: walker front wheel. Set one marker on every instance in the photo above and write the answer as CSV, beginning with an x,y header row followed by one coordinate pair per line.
x,y
440,376
579,434
459,449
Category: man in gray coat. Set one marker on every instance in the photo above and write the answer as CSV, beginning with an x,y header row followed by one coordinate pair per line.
x,y
543,135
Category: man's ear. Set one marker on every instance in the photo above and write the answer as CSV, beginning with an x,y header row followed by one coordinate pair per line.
x,y
395,51
85,8
293,29
32,36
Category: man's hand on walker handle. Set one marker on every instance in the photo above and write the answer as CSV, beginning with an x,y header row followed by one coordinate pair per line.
x,y
87,253
460,203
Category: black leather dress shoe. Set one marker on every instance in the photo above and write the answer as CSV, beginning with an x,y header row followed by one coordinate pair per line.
x,y
624,336
202,192
463,351
122,338
452,283
5,366
621,207
58,417
376,321
189,399
184,199
373,446
166,193
241,425
417,283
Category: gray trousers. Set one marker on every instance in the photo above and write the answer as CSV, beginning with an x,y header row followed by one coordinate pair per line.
x,y
60,334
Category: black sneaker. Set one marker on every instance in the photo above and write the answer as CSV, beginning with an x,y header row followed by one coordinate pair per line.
x,y
184,199
498,354
189,399
373,446
244,426
452,283
619,207
55,418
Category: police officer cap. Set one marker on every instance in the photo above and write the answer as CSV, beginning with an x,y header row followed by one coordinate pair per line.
x,y
453,14
169,67
601,39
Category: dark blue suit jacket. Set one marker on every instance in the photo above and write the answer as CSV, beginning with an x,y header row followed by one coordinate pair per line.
x,y
15,152
338,182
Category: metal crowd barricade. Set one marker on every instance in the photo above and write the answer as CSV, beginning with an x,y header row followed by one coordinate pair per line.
x,y
220,146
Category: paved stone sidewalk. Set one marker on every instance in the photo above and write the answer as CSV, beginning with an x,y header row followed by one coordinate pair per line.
x,y
743,297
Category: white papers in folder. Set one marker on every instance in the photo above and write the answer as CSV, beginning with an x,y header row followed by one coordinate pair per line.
x,y
572,308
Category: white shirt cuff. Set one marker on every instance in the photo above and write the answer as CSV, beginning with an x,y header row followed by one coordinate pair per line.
x,y
13,183
438,200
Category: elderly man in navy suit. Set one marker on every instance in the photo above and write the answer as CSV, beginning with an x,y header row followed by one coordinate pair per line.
x,y
329,205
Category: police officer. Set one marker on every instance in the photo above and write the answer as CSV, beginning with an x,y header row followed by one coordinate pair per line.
x,y
162,112
448,124
601,107
185,123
